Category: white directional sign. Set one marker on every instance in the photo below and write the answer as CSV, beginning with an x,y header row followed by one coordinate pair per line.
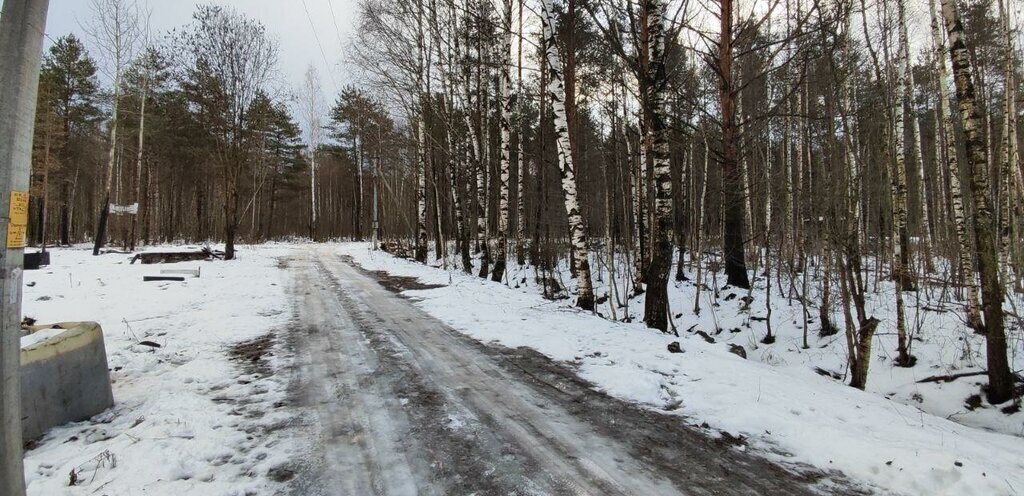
x,y
132,209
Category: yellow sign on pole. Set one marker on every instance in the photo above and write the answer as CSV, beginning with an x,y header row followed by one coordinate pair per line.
x,y
16,236
19,208
18,224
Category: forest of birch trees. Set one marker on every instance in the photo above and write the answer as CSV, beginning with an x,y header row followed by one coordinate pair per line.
x,y
823,148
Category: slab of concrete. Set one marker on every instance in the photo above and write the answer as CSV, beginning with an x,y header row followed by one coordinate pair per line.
x,y
64,376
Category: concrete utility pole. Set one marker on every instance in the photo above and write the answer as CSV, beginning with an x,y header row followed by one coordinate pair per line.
x,y
375,235
22,24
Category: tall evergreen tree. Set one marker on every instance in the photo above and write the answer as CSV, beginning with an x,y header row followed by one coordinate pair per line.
x,y
72,91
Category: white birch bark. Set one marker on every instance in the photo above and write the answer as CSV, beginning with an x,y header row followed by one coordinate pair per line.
x,y
139,156
748,205
482,156
1009,148
796,179
639,211
636,217
915,129
521,163
577,230
421,139
115,29
111,160
505,86
656,310
964,259
898,176
313,107
452,55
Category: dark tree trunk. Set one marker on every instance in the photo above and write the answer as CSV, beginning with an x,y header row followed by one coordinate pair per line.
x,y
101,226
65,214
231,209
859,368
732,193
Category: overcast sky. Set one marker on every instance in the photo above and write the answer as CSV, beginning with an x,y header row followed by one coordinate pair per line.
x,y
286,20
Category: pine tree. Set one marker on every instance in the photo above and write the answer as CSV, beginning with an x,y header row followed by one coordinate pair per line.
x,y
69,74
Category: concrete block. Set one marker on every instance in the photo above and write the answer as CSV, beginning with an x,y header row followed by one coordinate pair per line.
x,y
64,376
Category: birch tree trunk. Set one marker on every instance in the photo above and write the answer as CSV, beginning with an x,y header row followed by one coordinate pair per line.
x,y
115,29
1000,386
139,157
748,205
482,155
1010,156
421,139
964,259
577,230
656,311
460,220
898,176
421,186
507,100
461,149
359,144
638,186
104,214
915,144
520,162
312,193
313,110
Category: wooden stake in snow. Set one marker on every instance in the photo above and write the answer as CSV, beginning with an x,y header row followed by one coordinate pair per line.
x,y
163,278
187,272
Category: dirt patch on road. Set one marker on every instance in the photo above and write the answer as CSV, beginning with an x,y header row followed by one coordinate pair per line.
x,y
393,283
664,442
397,284
252,354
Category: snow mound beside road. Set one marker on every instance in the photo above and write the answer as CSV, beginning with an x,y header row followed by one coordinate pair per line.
x,y
188,418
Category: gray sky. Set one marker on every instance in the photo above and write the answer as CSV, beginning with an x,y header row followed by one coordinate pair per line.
x,y
286,20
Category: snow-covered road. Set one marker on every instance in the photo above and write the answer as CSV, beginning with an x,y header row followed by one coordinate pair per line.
x,y
405,405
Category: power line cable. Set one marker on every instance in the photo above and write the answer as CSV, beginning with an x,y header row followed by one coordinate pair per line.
x,y
323,54
334,18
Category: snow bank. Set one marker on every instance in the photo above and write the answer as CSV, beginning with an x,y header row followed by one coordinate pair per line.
x,y
187,419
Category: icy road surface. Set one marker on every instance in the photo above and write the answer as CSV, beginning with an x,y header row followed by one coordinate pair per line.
x,y
406,406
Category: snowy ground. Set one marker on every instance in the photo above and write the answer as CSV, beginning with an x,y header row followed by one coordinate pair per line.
x,y
188,418
194,417
897,436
